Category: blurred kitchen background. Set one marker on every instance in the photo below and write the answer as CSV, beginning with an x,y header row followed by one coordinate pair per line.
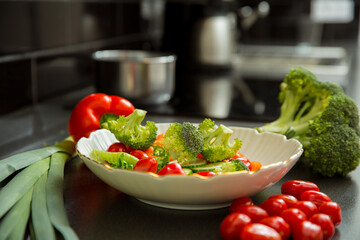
x,y
231,55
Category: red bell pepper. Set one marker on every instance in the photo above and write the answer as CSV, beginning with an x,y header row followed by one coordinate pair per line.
x,y
85,118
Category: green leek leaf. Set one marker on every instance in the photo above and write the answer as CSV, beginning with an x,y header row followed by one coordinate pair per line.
x,y
54,193
19,161
41,223
21,184
14,224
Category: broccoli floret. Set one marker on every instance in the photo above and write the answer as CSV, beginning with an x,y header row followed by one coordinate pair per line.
x,y
217,146
234,165
183,141
128,130
332,150
323,118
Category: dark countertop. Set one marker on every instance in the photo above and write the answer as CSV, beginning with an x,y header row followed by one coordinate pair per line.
x,y
96,211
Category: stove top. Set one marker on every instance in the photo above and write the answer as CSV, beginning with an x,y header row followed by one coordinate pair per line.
x,y
222,95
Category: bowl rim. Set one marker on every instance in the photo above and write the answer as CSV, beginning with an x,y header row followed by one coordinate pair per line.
x,y
294,156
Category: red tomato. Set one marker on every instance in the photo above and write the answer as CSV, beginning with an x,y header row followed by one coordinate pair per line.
x,y
289,199
297,187
258,231
274,206
293,217
307,230
240,201
232,225
324,221
117,147
172,168
139,154
146,165
129,149
314,196
241,158
256,213
333,210
85,118
279,224
309,208
206,173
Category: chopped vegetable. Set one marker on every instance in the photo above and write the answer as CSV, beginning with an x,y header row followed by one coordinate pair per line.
x,y
183,141
115,159
323,118
217,146
86,116
129,131
222,167
161,155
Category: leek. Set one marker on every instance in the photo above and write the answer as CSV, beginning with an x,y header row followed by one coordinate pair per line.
x,y
14,224
20,184
41,222
19,161
55,200
36,189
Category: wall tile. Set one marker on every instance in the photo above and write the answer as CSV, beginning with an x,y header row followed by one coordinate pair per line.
x,y
15,32
90,21
56,75
15,85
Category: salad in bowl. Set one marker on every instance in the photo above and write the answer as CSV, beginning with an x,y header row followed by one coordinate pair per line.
x,y
186,165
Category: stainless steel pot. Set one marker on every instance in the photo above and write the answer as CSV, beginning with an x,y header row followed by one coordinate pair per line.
x,y
144,78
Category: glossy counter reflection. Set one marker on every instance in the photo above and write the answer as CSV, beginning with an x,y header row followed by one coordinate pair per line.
x,y
97,211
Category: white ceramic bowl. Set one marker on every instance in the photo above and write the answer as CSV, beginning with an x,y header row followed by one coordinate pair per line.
x,y
276,154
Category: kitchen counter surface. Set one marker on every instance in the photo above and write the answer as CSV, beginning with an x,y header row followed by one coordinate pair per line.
x,y
97,211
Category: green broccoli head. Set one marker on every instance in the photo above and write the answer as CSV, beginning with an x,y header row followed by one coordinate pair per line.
x,y
332,149
217,146
323,118
233,166
183,141
128,130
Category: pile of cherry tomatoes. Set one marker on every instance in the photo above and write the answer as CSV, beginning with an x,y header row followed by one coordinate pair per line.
x,y
300,212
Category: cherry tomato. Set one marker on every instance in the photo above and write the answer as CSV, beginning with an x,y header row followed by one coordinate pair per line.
x,y
297,187
324,221
129,149
172,168
274,206
314,196
293,217
279,224
206,173
255,212
240,201
309,208
290,200
256,231
146,165
307,230
139,154
333,210
233,224
117,147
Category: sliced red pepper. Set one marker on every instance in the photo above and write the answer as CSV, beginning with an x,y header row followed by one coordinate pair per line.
x,y
85,118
